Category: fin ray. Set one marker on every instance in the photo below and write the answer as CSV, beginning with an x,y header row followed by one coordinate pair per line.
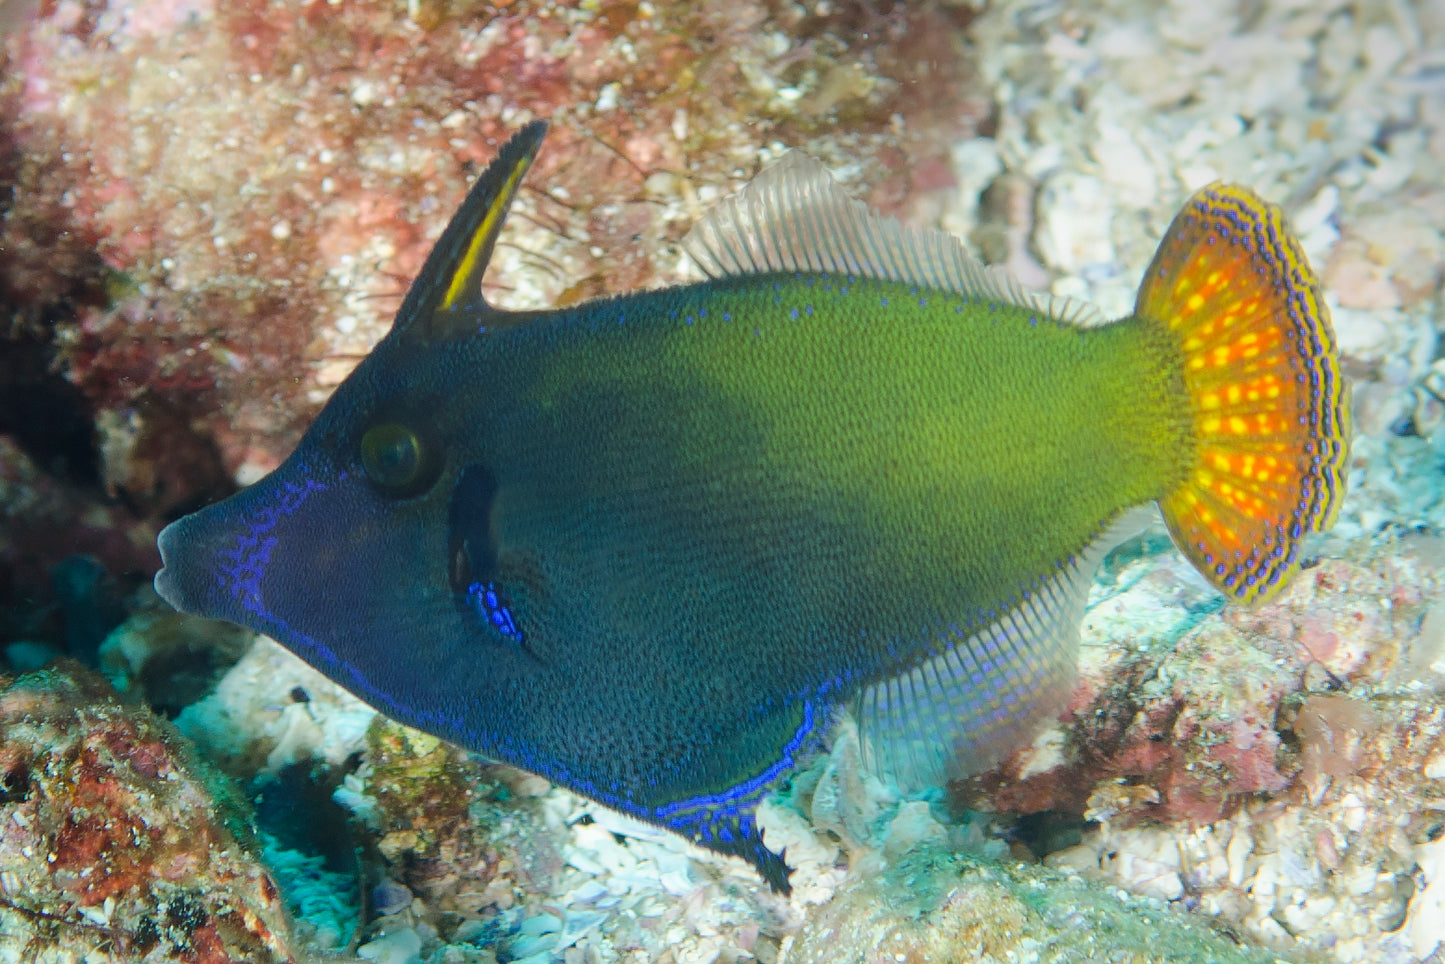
x,y
1269,404
450,282
961,710
794,217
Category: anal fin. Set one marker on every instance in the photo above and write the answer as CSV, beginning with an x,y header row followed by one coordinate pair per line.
x,y
982,695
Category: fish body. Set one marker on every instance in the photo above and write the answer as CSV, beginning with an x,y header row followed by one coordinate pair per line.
x,y
650,546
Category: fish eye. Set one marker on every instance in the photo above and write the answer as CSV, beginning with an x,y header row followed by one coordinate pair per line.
x,y
397,460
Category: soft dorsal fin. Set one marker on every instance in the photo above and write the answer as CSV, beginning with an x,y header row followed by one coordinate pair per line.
x,y
449,286
794,217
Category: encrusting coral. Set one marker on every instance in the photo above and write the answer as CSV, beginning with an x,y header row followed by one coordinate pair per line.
x,y
114,842
216,207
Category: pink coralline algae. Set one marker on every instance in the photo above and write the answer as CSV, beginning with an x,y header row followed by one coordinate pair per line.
x,y
113,842
1192,743
1237,711
215,208
252,185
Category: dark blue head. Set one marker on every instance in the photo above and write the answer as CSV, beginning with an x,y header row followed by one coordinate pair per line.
x,y
384,500
487,537
319,552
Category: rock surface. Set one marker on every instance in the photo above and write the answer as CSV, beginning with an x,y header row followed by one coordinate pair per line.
x,y
114,843
216,208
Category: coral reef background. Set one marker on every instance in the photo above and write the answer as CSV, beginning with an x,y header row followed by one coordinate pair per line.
x,y
209,212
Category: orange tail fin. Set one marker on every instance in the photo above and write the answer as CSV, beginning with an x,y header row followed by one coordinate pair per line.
x,y
1271,413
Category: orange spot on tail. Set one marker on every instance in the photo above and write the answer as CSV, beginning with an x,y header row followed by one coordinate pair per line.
x,y
1260,364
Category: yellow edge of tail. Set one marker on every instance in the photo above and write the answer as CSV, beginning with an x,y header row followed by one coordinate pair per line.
x,y
1269,405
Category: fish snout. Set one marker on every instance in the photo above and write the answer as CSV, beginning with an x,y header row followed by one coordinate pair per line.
x,y
193,577
227,560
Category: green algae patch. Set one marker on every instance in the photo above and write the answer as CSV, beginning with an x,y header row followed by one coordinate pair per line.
x,y
933,906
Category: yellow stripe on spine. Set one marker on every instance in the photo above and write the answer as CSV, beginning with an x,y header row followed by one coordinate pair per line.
x,y
466,276
1262,372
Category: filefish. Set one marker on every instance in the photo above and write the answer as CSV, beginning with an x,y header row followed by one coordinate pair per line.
x,y
651,547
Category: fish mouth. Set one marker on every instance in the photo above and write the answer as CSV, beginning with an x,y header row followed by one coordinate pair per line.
x,y
260,557
190,578
217,562
167,581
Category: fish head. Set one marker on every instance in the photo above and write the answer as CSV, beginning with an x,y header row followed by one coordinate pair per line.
x,y
369,551
365,537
